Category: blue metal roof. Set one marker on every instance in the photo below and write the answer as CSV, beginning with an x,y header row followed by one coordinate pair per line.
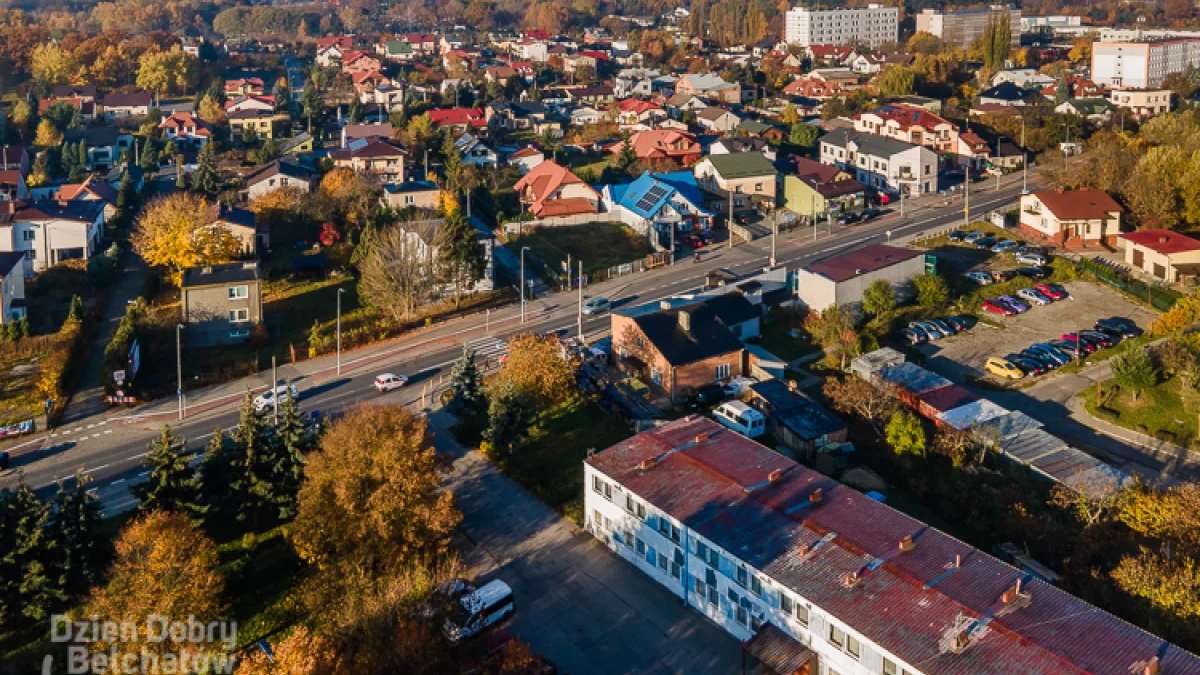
x,y
647,195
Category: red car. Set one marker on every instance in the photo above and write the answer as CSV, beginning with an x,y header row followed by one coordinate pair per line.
x,y
998,308
1086,346
694,241
1052,291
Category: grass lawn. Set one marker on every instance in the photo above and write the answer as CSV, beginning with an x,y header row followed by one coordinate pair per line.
x,y
549,464
776,340
599,245
1158,411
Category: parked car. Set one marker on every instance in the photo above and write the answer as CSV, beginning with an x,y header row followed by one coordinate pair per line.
x,y
930,332
961,323
478,609
389,381
1104,339
708,394
972,237
1067,349
693,240
1118,326
1014,303
957,235
1053,291
596,305
266,400
945,326
995,307
985,242
981,278
1034,272
1005,245
1050,352
1028,365
848,218
1004,368
932,328
1084,345
1031,258
914,337
870,213
1033,296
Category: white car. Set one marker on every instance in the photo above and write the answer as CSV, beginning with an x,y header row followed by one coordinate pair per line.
x,y
737,385
596,305
1033,296
266,400
1031,258
981,278
389,381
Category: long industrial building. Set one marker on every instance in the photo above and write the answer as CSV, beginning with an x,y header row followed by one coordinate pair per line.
x,y
818,579
871,26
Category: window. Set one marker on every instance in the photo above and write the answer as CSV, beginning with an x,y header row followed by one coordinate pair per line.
x,y
758,187
640,511
239,315
31,254
640,546
663,562
741,577
889,667
722,371
702,550
756,586
701,589
29,235
651,555
239,292
656,376
597,518
785,603
743,612
677,564
409,200
664,527
836,636
852,647
674,534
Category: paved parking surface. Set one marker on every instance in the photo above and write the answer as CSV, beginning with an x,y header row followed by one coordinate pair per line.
x,y
964,355
576,603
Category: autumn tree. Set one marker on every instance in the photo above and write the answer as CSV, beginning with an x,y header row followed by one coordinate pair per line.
x,y
854,396
392,271
996,41
540,369
48,135
300,653
172,233
51,64
211,111
789,116
371,493
804,135
172,484
905,434
833,329
931,289
166,72
896,80
164,567
879,297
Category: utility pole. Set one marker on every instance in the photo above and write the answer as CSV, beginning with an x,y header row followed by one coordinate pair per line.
x,y
1024,160
579,317
967,195
813,201
568,270
672,226
274,391
730,218
523,249
902,202
339,330
178,368
774,236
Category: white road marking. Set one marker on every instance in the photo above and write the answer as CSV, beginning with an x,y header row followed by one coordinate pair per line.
x,y
117,481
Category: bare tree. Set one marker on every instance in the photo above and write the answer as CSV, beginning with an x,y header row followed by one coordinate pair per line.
x,y
1090,495
393,272
853,395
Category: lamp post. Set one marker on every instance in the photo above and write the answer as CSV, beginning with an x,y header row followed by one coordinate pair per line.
x,y
1024,160
179,368
523,249
339,330
579,317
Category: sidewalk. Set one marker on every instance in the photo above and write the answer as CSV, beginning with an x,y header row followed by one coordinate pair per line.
x,y
1178,462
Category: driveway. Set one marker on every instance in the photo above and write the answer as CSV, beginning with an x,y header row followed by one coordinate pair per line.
x,y
577,603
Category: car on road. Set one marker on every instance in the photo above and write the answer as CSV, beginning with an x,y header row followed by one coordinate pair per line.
x,y
1004,368
981,278
972,237
266,400
389,381
996,307
1118,326
1033,296
1034,272
871,213
596,305
694,241
1005,245
848,218
1053,291
985,242
1016,304
1031,258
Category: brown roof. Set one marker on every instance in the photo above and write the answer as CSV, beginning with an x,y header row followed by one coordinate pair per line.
x,y
867,259
1082,204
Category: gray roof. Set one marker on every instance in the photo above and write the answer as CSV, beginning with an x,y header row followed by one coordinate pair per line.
x,y
215,275
9,260
803,416
276,168
870,144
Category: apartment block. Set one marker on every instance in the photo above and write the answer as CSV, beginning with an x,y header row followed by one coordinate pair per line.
x,y
1142,64
871,26
816,578
962,28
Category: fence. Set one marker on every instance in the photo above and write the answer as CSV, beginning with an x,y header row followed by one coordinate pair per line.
x,y
1158,297
557,221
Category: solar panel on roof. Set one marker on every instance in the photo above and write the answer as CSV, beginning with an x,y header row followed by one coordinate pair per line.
x,y
652,196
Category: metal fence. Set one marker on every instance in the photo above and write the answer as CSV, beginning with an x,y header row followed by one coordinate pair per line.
x,y
1158,297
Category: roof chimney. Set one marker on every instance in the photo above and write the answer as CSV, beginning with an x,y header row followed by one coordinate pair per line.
x,y
774,476
664,304
907,544
685,320
648,464
1012,593
206,270
816,496
792,385
1151,667
701,438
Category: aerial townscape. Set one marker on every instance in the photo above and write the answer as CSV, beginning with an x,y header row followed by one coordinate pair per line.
x,y
600,337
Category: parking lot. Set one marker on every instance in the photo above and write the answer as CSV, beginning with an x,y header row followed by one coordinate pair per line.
x,y
962,356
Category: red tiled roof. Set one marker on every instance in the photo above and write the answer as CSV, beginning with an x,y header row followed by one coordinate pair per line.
x,y
563,207
636,106
544,180
660,143
341,42
1082,204
906,601
907,116
527,151
830,51
457,116
1165,242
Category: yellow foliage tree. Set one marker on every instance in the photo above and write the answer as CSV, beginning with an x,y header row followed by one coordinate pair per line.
x,y
168,71
540,369
172,233
1082,50
48,135
52,64
211,111
301,653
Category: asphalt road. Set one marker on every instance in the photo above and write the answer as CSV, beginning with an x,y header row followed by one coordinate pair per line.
x,y
110,449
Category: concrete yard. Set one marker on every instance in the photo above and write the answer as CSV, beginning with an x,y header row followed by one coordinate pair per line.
x,y
962,356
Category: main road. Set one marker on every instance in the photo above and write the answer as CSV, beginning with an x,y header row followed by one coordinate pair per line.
x,y
110,448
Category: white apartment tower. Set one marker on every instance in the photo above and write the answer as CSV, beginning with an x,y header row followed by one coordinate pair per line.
x,y
873,26
963,27
1142,65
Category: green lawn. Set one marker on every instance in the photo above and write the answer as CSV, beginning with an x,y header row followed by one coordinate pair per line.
x,y
776,340
1158,411
550,463
599,245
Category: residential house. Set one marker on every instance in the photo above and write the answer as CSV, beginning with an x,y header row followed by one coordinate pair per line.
x,y
797,422
136,105
245,86
1165,255
239,222
499,74
527,158
632,112
522,116
475,151
872,63
92,189
13,185
330,56
735,144
1071,218
368,80
384,96
635,82
839,78
459,119
380,158
882,163
586,115
422,44
221,304
830,55
812,88
659,206
416,194
379,131
1027,78
12,287
715,118
260,122
1142,103
535,51
1077,87
814,189
910,124
678,348
83,92
355,61
86,108
258,103
299,144
49,232
842,279
752,128
1009,94
660,147
972,151
278,175
398,50
680,104
550,189
748,176
14,157
104,144
709,86
1094,110
424,238
186,129
599,95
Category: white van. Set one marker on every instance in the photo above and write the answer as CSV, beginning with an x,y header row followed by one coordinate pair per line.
x,y
477,610
741,418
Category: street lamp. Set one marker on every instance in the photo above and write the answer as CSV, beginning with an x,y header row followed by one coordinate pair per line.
x,y
523,249
179,368
339,330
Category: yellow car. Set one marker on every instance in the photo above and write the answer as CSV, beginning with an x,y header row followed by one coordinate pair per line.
x,y
1004,368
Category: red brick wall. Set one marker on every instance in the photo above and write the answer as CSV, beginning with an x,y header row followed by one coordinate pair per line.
x,y
1110,241
677,382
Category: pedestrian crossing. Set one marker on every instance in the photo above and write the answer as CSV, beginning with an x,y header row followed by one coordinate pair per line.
x,y
488,348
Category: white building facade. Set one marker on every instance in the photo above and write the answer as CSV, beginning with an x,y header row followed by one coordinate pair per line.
x,y
1142,65
882,163
963,27
871,26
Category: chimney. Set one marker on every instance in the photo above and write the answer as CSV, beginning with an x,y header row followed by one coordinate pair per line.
x,y
1012,593
774,476
206,270
961,640
957,560
1163,239
685,320
648,463
792,385
664,304
1151,667
816,496
907,544
701,438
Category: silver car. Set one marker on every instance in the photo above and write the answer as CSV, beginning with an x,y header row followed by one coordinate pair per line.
x,y
596,305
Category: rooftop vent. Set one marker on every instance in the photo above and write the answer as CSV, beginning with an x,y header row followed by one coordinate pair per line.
x,y
648,463
206,270
816,496
1151,667
775,475
700,438
1012,593
907,544
851,579
685,320
664,304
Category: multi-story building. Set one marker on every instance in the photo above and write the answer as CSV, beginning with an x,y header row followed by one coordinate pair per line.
x,y
880,162
820,579
1072,218
1142,64
221,304
911,124
1142,103
963,27
871,26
